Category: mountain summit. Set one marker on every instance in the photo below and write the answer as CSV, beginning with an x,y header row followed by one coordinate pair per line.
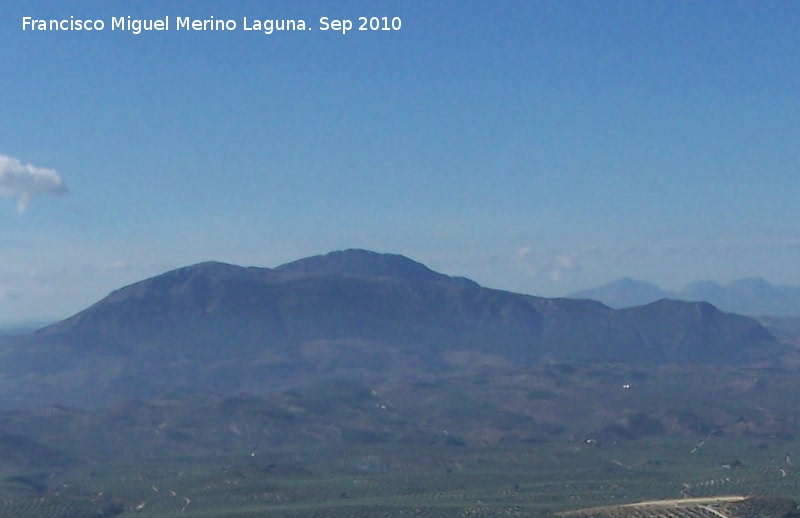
x,y
222,328
361,263
624,293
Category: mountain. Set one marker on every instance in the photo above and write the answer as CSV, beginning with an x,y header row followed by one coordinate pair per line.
x,y
219,328
18,328
754,296
624,293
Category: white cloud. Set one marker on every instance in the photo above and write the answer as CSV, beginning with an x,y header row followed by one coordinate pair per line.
x,y
548,263
26,181
562,264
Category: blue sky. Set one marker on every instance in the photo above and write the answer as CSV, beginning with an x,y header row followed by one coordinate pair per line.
x,y
541,147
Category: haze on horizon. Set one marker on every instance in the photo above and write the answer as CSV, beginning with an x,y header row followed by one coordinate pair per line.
x,y
537,147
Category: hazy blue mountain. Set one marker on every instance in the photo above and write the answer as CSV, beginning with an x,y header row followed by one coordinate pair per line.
x,y
215,327
753,296
624,293
21,327
702,290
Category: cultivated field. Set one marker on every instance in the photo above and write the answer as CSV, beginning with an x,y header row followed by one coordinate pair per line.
x,y
504,480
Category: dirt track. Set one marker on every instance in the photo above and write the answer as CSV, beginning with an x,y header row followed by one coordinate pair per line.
x,y
674,502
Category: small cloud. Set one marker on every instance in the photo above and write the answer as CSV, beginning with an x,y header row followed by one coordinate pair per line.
x,y
26,181
118,265
527,259
562,264
549,264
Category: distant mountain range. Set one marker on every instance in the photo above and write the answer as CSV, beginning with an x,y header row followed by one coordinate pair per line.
x,y
224,329
754,296
18,328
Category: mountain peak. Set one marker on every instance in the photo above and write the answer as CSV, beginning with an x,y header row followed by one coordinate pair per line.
x,y
361,263
625,292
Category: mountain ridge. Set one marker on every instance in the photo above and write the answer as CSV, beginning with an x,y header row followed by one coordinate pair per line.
x,y
753,296
225,328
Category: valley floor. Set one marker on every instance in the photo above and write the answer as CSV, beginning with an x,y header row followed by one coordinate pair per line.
x,y
503,480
